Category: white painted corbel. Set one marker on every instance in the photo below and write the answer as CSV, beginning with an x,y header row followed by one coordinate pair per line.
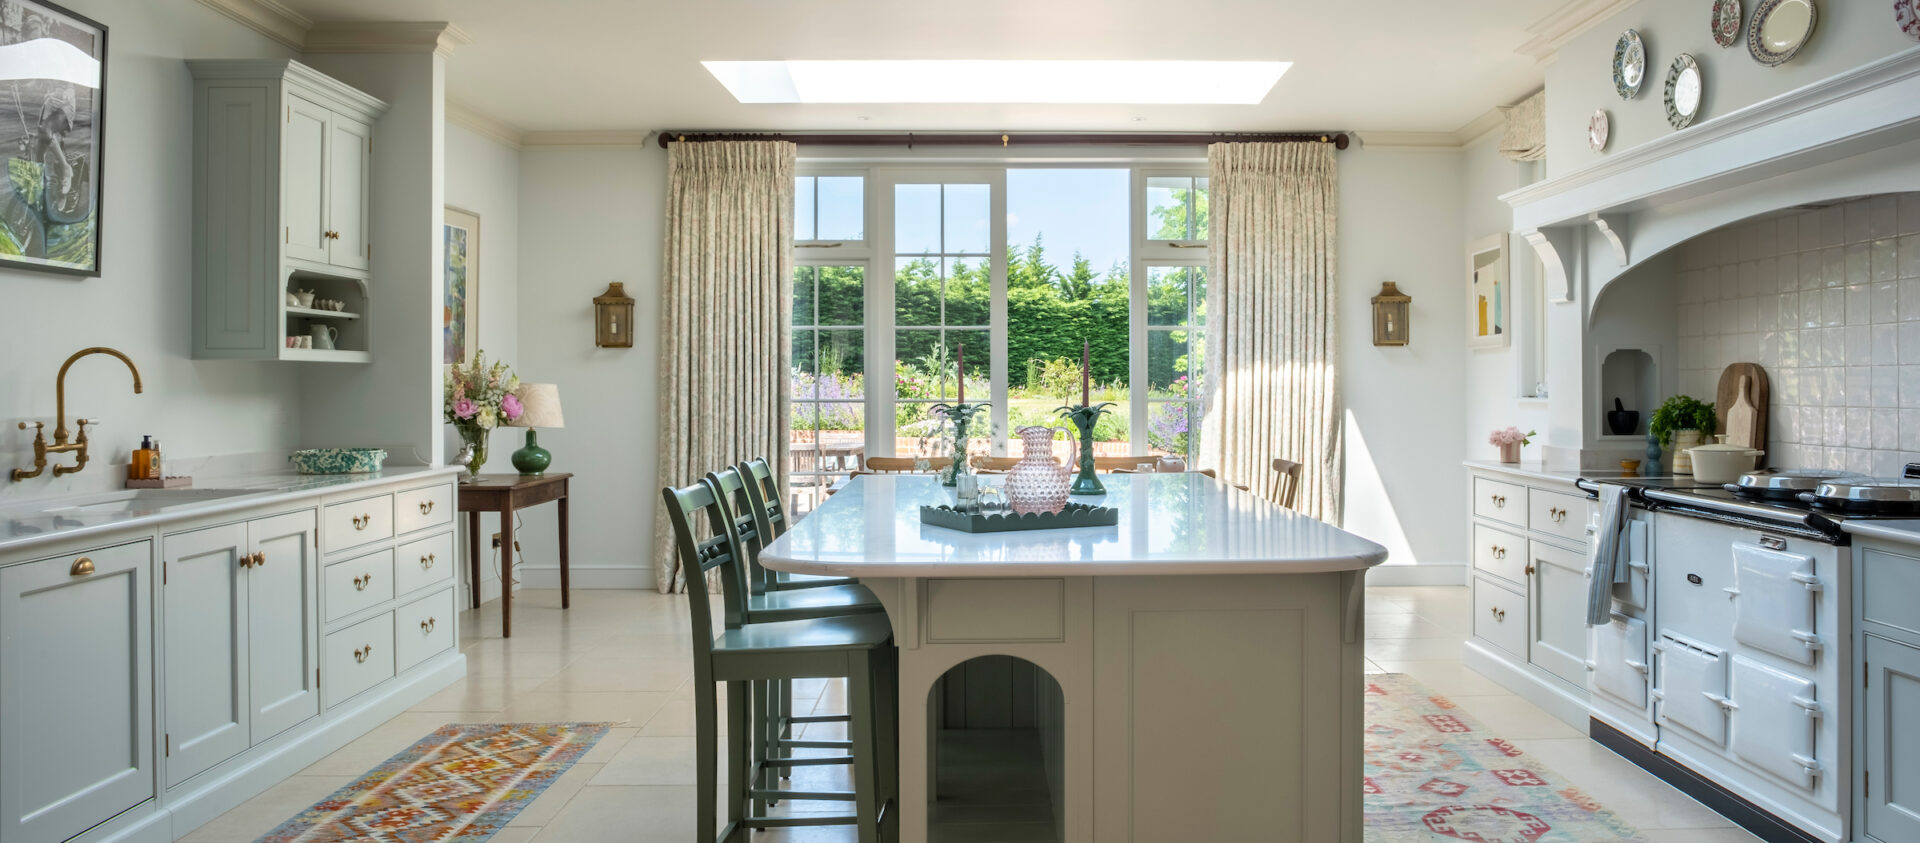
x,y
1614,228
1555,248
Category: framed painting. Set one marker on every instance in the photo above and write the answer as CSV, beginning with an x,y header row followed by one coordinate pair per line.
x,y
1489,294
460,322
52,106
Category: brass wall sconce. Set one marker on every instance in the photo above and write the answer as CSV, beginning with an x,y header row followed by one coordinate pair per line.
x,y
1392,316
613,317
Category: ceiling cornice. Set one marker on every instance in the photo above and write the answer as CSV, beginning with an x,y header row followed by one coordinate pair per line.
x,y
1490,120
439,37
498,131
611,139
1552,32
266,17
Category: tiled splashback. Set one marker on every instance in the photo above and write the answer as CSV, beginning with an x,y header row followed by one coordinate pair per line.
x,y
1828,302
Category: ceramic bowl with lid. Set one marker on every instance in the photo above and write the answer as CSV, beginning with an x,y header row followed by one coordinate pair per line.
x,y
1722,463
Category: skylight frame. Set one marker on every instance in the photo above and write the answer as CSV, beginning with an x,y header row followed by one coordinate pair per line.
x,y
994,81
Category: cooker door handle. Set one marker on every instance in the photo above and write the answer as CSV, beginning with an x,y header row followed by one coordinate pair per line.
x,y
1811,639
1721,701
1639,566
1813,708
1639,666
1811,581
1731,591
1810,765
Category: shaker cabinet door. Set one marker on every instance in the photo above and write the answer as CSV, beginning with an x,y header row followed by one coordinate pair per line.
x,y
76,691
303,180
1892,747
1557,597
283,621
349,176
205,632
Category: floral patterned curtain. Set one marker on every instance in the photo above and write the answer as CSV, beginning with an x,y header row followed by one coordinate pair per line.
x,y
1525,138
1272,376
727,317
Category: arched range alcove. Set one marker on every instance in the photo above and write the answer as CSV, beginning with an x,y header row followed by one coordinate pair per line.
x,y
998,760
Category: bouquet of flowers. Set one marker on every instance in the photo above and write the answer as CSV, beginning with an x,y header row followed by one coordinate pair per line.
x,y
478,398
1511,436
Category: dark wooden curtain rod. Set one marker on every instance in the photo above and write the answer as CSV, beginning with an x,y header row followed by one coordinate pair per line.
x,y
912,139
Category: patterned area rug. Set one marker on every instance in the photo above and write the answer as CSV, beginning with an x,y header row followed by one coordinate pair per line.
x,y
1435,774
463,782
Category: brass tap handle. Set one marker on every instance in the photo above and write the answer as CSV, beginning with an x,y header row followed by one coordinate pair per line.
x,y
37,425
81,567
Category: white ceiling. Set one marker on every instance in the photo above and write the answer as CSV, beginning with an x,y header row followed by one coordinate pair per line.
x,y
1383,65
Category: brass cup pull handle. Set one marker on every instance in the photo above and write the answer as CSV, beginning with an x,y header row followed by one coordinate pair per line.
x,y
1499,501
81,567
426,507
1558,515
426,626
360,522
360,583
361,654
426,561
1498,614
1499,552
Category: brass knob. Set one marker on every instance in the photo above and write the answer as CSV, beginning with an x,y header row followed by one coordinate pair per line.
x,y
1529,570
259,559
361,654
360,583
246,560
426,507
426,626
81,567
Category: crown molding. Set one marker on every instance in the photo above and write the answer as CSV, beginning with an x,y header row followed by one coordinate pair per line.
x,y
1550,33
501,132
437,37
1488,121
266,17
609,139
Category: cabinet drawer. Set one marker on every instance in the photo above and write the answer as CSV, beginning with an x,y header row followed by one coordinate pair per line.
x,y
354,523
422,629
357,658
1500,553
418,509
964,610
1500,501
1891,581
418,564
1500,616
358,584
1557,514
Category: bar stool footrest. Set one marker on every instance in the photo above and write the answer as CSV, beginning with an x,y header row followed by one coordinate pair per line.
x,y
791,743
819,718
812,795
795,822
809,762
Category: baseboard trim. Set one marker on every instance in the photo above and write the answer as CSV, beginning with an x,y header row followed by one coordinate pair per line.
x,y
1756,820
1559,699
583,577
1394,575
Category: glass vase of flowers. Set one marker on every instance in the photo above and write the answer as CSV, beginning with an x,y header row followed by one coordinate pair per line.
x,y
477,398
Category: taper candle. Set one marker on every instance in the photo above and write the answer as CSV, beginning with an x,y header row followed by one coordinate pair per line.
x,y
1086,372
960,366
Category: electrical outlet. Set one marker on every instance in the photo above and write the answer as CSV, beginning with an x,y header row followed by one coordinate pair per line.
x,y
496,543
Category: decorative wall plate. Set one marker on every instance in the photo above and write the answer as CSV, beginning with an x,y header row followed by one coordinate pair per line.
x,y
1726,22
1779,29
1684,91
1629,64
1906,15
1597,129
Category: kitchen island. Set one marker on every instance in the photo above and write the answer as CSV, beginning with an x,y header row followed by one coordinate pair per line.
x,y
1196,669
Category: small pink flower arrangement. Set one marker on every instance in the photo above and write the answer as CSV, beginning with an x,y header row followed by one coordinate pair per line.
x,y
1511,436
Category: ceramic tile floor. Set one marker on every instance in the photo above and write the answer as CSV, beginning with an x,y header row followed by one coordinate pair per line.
x,y
624,656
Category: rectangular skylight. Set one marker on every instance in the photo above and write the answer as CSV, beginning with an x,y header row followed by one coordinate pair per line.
x,y
1012,81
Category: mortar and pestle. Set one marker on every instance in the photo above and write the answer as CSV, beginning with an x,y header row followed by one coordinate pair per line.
x,y
1622,421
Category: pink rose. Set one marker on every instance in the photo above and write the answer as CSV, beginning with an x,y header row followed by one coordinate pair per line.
x,y
510,406
464,409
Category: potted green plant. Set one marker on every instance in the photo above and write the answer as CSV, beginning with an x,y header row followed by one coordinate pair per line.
x,y
1679,423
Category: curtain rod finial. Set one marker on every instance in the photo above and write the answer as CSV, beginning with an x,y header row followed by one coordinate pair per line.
x,y
1003,141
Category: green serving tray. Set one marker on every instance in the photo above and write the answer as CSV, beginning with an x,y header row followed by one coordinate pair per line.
x,y
1073,515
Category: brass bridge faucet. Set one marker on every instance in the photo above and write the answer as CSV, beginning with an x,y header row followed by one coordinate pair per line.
x,y
60,436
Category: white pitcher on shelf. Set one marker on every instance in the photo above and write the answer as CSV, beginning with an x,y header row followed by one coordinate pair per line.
x,y
324,336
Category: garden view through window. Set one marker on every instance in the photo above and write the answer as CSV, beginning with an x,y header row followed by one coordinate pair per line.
x,y
1019,267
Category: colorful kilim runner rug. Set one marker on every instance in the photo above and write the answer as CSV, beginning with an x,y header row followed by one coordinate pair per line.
x,y
1435,774
462,783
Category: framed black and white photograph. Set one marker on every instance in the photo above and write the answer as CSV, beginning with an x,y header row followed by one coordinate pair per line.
x,y
53,76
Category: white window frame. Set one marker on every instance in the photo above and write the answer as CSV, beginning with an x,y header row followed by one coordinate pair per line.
x,y
867,218
808,253
1148,255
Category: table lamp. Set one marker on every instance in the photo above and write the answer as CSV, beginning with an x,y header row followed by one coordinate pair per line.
x,y
540,403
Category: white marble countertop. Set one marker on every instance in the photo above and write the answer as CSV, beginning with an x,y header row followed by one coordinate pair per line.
x,y
1185,523
26,523
1903,531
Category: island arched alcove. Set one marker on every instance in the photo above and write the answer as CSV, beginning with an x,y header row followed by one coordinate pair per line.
x,y
996,755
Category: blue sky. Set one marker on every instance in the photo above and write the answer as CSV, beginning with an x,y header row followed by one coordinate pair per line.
x,y
1077,209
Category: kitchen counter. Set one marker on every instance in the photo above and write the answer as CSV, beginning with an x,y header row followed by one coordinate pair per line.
x,y
27,523
1170,524
1904,532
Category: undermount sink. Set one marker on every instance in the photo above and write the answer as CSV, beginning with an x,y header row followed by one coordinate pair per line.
x,y
140,500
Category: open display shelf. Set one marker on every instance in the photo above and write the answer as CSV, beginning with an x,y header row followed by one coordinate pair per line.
x,y
351,341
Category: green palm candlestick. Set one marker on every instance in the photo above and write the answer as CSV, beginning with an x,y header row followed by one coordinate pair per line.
x,y
1084,417
962,416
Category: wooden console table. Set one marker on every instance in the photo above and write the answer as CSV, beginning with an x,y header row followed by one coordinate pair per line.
x,y
504,493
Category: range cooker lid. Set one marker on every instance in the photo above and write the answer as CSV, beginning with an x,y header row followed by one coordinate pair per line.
x,y
1876,490
1790,479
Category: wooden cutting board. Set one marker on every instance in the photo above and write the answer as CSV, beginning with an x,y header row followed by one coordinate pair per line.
x,y
1743,421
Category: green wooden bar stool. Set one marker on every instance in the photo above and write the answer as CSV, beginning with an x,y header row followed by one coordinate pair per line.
x,y
763,495
773,701
858,648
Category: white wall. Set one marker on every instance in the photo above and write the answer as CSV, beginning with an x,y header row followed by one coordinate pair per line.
x,y
141,303
1494,375
1850,33
483,176
587,217
1406,406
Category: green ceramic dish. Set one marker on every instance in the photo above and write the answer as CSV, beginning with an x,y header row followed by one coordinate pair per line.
x,y
338,460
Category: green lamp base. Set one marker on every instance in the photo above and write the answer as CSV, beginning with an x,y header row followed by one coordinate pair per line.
x,y
532,461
